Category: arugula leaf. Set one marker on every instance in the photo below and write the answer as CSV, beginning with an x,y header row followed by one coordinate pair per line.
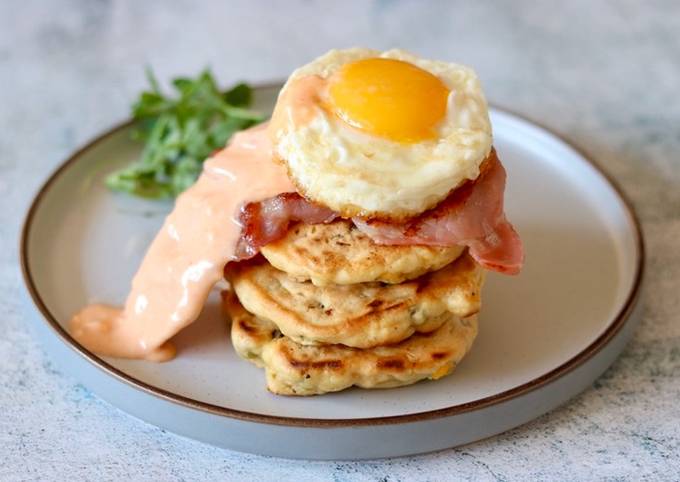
x,y
180,132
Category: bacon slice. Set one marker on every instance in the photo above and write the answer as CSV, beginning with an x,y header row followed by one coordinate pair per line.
x,y
472,215
267,221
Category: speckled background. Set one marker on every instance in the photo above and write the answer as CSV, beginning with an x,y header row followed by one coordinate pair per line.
x,y
606,75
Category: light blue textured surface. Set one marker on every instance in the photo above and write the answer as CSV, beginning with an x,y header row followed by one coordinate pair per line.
x,y
603,74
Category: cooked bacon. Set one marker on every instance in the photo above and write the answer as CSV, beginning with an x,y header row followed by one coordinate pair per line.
x,y
472,215
267,221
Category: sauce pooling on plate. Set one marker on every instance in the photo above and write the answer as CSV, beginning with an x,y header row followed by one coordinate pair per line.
x,y
188,255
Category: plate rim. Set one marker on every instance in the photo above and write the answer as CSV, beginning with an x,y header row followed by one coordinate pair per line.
x,y
568,366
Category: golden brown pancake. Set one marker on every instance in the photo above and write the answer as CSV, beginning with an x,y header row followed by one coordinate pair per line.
x,y
295,369
361,315
339,253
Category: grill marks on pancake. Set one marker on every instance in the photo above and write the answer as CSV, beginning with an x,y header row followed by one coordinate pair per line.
x,y
391,363
298,369
339,253
245,326
440,355
304,366
320,364
360,316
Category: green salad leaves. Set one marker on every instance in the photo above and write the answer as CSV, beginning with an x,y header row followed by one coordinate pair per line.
x,y
181,132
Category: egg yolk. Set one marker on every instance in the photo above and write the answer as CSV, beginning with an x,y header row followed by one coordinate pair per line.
x,y
389,98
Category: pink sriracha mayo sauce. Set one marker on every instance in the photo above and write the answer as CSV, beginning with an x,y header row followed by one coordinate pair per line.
x,y
188,255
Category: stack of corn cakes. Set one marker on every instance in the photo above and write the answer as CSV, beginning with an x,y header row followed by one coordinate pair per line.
x,y
325,308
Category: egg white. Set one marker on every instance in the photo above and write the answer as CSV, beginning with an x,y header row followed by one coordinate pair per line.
x,y
356,173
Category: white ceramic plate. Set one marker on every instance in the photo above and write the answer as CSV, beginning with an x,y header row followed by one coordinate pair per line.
x,y
544,336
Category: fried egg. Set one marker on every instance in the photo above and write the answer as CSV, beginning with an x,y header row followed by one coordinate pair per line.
x,y
385,135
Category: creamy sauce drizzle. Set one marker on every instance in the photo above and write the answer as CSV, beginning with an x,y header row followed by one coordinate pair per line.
x,y
188,255
298,103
